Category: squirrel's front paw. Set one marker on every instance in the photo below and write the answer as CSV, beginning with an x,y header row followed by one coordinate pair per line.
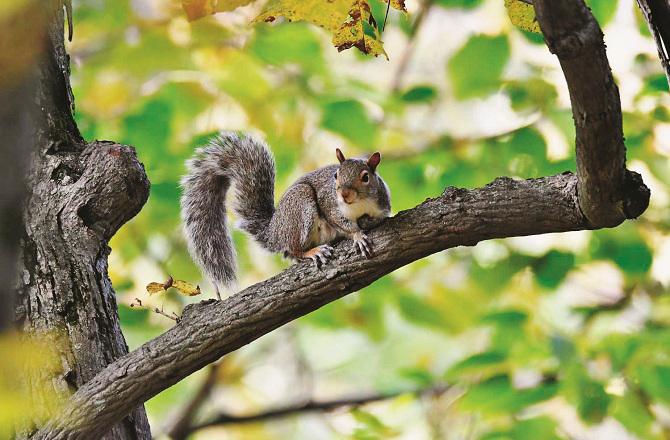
x,y
363,244
319,255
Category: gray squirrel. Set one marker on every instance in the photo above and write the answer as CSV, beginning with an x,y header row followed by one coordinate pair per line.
x,y
320,207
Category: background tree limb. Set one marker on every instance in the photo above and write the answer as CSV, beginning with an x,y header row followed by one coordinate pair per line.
x,y
313,406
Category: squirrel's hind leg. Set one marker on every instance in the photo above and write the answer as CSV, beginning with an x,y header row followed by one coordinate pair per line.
x,y
296,228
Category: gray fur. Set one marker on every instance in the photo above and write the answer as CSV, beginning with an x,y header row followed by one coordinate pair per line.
x,y
246,164
308,214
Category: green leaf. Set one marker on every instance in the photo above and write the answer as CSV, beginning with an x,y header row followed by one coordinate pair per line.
x,y
420,94
497,395
288,43
487,363
465,4
476,68
418,312
603,10
655,380
349,119
534,429
585,393
552,268
633,414
625,247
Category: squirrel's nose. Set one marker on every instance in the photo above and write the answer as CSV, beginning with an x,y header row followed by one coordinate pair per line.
x,y
348,195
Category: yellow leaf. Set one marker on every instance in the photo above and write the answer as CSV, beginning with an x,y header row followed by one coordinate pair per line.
x,y
328,14
186,288
350,21
522,15
155,288
397,4
360,31
182,286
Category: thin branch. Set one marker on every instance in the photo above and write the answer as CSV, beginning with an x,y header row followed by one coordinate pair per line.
x,y
657,15
182,425
406,56
313,406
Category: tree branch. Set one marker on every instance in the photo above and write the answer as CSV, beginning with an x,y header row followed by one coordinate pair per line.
x,y
605,186
312,406
657,15
211,329
459,217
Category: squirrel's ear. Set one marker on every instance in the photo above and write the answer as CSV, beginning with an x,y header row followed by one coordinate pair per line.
x,y
339,155
374,160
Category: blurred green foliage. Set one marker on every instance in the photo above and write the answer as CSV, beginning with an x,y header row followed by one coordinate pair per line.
x,y
558,336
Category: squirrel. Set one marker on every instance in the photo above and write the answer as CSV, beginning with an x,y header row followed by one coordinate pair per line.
x,y
330,203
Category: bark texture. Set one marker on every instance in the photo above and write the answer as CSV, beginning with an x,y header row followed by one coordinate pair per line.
x,y
602,194
79,194
608,193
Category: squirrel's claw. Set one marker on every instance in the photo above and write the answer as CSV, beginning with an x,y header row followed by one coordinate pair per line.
x,y
363,244
320,255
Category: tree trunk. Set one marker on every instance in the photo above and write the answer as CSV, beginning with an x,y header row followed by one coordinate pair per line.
x,y
79,194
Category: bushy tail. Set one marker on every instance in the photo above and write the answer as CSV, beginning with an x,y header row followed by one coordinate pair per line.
x,y
228,160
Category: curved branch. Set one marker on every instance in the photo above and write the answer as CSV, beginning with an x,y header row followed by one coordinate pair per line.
x,y
211,329
572,33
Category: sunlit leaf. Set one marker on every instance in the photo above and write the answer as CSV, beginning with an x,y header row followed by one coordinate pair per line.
x,y
603,10
359,31
183,287
634,415
349,21
476,68
522,15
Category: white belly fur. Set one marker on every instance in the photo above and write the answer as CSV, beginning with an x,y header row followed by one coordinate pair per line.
x,y
359,208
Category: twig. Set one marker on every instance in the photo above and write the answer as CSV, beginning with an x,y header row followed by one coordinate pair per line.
x,y
181,427
312,406
172,315
407,53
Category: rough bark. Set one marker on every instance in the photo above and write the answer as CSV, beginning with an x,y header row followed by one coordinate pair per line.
x,y
79,195
573,35
459,217
657,15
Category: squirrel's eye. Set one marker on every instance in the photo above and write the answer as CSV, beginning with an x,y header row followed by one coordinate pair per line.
x,y
365,177
335,176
